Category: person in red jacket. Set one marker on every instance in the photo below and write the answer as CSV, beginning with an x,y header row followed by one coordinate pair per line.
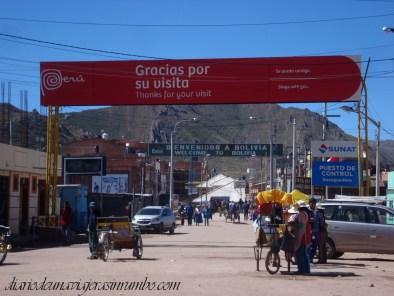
x,y
65,222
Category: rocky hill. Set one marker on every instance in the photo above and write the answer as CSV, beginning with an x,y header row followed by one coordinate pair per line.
x,y
216,124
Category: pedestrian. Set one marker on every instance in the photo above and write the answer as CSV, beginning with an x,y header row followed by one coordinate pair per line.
x,y
92,229
129,211
189,213
197,216
288,241
206,213
65,222
302,233
246,207
182,214
314,221
322,237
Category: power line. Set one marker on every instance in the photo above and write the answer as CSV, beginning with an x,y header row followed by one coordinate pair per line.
x,y
79,47
295,22
223,61
61,49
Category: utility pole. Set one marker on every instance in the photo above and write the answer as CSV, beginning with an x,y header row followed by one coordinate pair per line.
x,y
377,186
366,131
324,138
293,170
272,138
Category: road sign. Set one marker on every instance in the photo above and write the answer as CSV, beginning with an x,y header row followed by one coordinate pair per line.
x,y
335,174
334,149
238,150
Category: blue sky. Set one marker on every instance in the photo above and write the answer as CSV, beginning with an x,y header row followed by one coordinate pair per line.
x,y
282,28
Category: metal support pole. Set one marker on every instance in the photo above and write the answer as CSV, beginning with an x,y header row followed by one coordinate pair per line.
x,y
171,169
171,159
272,157
366,143
366,128
359,152
293,157
206,187
377,186
324,138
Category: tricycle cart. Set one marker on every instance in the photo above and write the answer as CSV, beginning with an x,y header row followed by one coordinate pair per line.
x,y
117,233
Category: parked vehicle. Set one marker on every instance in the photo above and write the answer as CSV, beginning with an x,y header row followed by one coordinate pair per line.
x,y
155,218
358,227
5,233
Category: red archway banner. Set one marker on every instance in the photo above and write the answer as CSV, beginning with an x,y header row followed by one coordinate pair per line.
x,y
203,81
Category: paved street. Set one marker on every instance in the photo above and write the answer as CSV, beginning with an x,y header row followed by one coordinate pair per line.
x,y
214,260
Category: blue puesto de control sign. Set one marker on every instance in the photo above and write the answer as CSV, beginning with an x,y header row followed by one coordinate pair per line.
x,y
336,174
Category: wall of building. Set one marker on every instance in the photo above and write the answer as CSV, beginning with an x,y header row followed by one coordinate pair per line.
x,y
25,169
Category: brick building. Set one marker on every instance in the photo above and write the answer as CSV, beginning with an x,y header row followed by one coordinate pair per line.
x,y
145,174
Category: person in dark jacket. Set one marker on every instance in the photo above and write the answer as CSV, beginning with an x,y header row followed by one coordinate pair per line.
x,y
206,213
189,213
92,228
319,232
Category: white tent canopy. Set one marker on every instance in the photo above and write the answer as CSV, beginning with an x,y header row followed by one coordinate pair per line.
x,y
220,187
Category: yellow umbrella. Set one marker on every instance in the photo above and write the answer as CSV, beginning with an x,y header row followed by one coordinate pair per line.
x,y
287,199
260,198
298,195
270,196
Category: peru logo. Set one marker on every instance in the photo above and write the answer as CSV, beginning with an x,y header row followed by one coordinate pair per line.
x,y
52,79
323,148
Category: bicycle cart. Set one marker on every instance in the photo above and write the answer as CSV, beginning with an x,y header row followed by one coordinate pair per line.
x,y
5,233
270,223
274,235
117,233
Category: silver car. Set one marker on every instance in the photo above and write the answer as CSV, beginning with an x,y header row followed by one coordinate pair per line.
x,y
359,227
155,218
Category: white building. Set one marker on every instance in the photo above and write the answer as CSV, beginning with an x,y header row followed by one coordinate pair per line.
x,y
22,186
221,187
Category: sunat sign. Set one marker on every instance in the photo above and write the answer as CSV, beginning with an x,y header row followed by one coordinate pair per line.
x,y
204,81
344,149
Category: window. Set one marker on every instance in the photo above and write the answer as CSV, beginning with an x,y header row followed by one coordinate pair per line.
x,y
34,184
15,183
329,211
350,214
373,215
385,217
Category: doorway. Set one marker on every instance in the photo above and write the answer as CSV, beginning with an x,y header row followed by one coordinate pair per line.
x,y
4,199
41,198
24,206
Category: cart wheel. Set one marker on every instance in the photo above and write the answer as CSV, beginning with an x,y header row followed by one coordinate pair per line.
x,y
105,248
272,262
3,250
137,252
172,229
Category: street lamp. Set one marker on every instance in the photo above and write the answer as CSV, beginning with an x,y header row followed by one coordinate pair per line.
x,y
377,125
293,156
261,160
172,156
388,29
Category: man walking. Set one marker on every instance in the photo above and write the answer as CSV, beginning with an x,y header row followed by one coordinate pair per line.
x,y
92,228
206,213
